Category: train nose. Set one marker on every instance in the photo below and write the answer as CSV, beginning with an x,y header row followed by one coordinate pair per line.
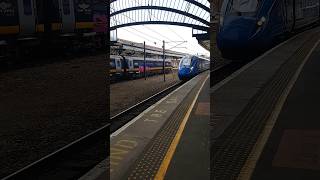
x,y
235,38
184,73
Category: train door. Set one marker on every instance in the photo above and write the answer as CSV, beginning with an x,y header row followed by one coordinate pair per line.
x,y
118,65
318,10
130,65
27,18
67,15
289,14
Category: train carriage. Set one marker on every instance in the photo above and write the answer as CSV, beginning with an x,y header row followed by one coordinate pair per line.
x,y
17,17
128,66
248,28
116,70
27,23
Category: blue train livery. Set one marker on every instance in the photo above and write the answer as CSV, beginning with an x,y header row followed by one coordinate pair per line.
x,y
250,27
191,66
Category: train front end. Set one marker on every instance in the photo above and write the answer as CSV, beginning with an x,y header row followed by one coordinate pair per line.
x,y
241,29
186,68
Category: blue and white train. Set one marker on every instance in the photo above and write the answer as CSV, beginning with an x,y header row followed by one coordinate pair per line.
x,y
191,66
250,27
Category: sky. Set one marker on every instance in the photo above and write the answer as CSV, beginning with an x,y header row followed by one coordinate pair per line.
x,y
178,36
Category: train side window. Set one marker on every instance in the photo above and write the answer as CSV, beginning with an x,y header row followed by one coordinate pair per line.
x,y
27,7
66,7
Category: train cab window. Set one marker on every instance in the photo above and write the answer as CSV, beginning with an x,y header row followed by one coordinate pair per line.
x,y
186,61
242,7
66,7
27,7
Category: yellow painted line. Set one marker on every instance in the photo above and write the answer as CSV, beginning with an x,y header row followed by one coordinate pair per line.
x,y
9,29
250,164
56,26
167,159
84,25
40,28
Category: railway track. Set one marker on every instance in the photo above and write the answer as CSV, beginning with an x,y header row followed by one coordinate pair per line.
x,y
124,79
224,70
125,116
78,157
71,161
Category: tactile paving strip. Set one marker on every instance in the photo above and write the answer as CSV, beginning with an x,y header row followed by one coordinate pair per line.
x,y
231,150
148,163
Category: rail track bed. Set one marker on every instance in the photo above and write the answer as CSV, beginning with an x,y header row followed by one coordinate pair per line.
x,y
125,116
223,70
41,57
45,108
77,157
125,94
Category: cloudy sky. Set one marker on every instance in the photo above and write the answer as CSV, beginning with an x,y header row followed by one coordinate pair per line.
x,y
177,38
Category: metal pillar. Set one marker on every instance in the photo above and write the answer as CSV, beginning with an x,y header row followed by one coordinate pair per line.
x,y
164,61
144,60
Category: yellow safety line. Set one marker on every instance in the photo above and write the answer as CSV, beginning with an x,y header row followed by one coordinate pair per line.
x,y
250,164
167,159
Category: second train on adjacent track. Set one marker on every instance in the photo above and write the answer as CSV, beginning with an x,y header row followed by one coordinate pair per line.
x,y
129,66
64,24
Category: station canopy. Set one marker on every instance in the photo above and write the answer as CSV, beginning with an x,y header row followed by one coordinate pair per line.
x,y
194,14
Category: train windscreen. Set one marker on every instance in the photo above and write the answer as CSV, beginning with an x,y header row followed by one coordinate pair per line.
x,y
242,7
186,61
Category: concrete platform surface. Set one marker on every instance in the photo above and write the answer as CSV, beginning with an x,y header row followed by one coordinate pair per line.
x,y
243,107
191,159
293,149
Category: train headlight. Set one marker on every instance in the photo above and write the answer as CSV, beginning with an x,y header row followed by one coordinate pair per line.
x,y
261,21
191,69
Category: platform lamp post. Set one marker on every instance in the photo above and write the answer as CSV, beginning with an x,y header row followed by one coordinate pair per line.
x,y
164,64
144,61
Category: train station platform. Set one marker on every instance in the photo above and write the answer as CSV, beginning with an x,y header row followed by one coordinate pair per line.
x,y
264,117
165,140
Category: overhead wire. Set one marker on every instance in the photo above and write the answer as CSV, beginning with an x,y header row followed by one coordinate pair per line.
x,y
151,14
159,40
160,20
